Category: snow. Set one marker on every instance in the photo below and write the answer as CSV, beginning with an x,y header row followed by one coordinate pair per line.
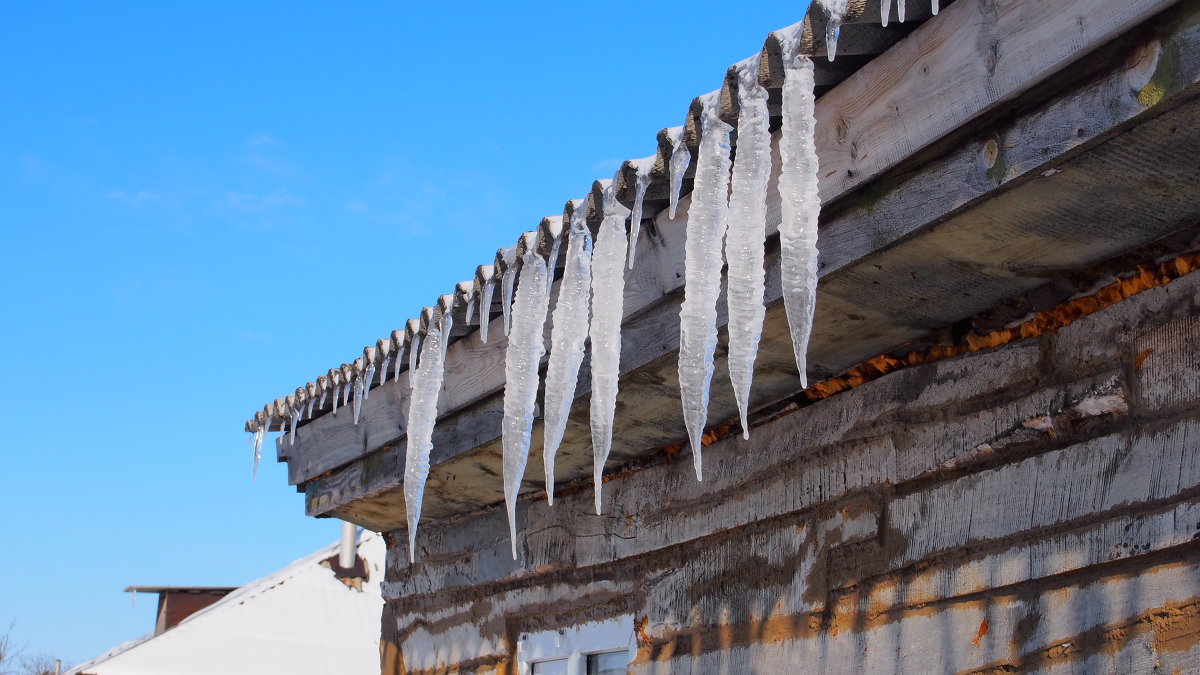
x,y
521,361
746,238
800,204
702,274
567,339
681,158
422,415
836,9
608,291
485,308
643,167
506,284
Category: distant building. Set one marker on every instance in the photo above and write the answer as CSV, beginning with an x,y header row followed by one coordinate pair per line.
x,y
309,618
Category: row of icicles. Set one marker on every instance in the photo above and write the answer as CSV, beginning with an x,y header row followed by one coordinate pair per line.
x,y
836,9
726,226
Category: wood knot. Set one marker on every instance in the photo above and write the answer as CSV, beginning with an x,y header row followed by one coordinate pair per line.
x,y
991,152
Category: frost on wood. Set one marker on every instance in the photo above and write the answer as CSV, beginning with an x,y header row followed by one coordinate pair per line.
x,y
506,285
681,158
746,237
642,182
800,203
702,274
567,339
836,9
608,291
422,415
521,361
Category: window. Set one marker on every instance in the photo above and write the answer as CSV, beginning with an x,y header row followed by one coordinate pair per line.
x,y
596,648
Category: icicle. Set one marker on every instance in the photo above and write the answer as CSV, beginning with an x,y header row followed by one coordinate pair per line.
x,y
414,350
885,11
470,313
383,370
447,325
396,365
746,239
367,379
900,10
552,262
346,391
258,441
295,418
702,274
800,203
321,405
608,291
521,361
936,7
567,338
309,408
506,285
485,308
422,415
358,397
681,157
337,394
635,220
836,9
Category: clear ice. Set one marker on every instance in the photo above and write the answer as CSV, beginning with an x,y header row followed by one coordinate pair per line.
x,y
485,308
681,158
367,379
836,9
337,395
506,285
702,274
567,338
521,362
552,261
635,220
358,397
258,441
745,239
447,325
383,370
800,203
608,291
422,415
414,355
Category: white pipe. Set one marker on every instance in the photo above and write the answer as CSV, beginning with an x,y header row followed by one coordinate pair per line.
x,y
348,552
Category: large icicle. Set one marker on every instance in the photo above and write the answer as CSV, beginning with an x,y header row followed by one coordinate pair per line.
x,y
521,362
567,338
746,237
642,182
422,415
506,285
836,9
608,291
681,158
702,274
800,202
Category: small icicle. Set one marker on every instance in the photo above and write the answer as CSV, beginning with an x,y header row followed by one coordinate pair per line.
x,y
552,262
414,353
447,325
800,203
422,416
702,275
567,341
900,10
836,9
346,391
337,395
295,423
258,441
521,360
396,365
681,158
506,285
745,241
608,291
309,408
358,397
635,219
370,377
885,12
936,7
485,308
383,370
470,313
321,405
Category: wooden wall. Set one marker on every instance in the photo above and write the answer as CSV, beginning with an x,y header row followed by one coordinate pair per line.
x,y
1033,508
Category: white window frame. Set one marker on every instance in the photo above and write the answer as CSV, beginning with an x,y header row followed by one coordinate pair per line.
x,y
575,644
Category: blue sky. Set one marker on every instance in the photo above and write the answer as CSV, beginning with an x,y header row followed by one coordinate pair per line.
x,y
205,205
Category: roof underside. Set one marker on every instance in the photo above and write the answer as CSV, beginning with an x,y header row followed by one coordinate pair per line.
x,y
989,154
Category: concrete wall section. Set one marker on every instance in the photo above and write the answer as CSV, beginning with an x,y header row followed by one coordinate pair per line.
x,y
1030,509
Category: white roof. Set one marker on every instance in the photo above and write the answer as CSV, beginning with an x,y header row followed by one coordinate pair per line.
x,y
299,620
